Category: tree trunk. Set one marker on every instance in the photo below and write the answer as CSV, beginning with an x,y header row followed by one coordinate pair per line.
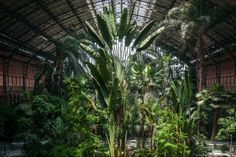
x,y
200,57
200,66
152,136
142,123
215,128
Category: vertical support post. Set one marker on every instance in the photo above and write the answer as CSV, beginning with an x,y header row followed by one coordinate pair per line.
x,y
25,73
218,73
6,63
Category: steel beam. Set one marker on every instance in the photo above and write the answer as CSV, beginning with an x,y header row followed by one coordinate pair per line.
x,y
50,14
16,16
77,16
23,49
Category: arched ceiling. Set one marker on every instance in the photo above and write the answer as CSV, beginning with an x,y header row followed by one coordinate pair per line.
x,y
36,26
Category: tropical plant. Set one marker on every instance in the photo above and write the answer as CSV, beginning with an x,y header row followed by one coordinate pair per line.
x,y
61,151
213,101
227,126
191,20
199,146
108,72
86,118
176,122
39,119
145,78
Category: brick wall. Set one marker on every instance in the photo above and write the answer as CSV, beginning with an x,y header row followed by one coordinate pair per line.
x,y
221,71
16,70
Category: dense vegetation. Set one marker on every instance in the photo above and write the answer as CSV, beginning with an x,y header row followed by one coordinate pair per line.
x,y
114,86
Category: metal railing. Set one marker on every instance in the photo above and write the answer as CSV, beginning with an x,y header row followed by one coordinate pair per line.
x,y
227,80
12,150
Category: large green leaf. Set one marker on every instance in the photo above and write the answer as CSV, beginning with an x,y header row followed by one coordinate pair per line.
x,y
94,35
103,55
131,13
130,34
187,86
109,16
91,52
105,71
148,41
123,23
103,28
99,79
143,33
174,96
101,98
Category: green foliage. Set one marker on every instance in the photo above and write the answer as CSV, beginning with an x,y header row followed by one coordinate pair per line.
x,y
113,100
171,140
199,146
41,119
92,147
126,29
61,151
210,101
227,126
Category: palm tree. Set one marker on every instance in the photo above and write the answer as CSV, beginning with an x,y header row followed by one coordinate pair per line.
x,y
191,20
73,57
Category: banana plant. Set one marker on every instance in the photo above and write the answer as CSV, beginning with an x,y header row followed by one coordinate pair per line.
x,y
181,98
146,78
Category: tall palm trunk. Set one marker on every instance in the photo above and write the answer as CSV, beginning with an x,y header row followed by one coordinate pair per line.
x,y
200,62
200,57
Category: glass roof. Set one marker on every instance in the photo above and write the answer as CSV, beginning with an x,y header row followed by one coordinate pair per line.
x,y
142,12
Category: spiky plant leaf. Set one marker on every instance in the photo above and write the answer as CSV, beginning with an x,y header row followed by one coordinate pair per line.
x,y
130,34
91,52
94,35
101,98
103,55
174,96
103,28
98,78
123,23
104,70
143,33
132,7
109,16
148,41
187,86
